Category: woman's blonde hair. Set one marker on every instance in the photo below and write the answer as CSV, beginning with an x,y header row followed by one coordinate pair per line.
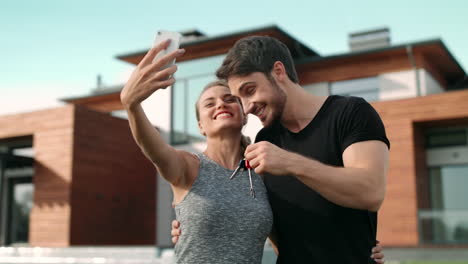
x,y
245,141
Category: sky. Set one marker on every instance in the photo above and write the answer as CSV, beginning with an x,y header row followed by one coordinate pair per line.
x,y
53,49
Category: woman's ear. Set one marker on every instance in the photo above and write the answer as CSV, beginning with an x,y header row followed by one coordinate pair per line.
x,y
200,127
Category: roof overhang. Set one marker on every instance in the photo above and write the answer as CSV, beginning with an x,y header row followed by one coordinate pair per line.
x,y
105,100
211,46
97,93
433,51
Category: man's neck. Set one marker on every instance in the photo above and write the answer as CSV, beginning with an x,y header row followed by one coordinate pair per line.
x,y
300,108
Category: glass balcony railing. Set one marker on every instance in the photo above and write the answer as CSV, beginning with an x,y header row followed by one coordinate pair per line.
x,y
443,226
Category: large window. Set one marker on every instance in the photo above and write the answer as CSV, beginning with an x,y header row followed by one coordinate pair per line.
x,y
191,77
367,88
20,200
16,192
446,221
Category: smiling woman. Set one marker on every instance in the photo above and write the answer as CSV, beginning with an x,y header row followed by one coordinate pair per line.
x,y
191,77
206,200
209,102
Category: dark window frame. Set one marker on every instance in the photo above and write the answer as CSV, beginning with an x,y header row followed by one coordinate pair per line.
x,y
7,181
460,131
9,185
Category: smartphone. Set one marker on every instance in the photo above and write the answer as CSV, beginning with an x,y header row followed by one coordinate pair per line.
x,y
174,45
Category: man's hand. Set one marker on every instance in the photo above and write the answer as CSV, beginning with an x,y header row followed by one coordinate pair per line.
x,y
265,157
377,254
175,231
149,77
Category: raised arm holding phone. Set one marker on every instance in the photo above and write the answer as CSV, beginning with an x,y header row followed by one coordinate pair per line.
x,y
206,200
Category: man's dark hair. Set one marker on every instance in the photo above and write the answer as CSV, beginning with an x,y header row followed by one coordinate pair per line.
x,y
256,54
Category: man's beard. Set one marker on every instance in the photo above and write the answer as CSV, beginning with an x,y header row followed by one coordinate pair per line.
x,y
277,104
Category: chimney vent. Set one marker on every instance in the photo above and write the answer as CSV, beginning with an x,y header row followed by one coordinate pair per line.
x,y
98,81
371,39
191,34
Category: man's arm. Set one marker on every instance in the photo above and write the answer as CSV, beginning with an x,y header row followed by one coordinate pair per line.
x,y
360,184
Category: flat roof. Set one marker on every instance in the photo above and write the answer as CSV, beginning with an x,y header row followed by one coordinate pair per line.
x,y
203,46
433,49
209,46
106,90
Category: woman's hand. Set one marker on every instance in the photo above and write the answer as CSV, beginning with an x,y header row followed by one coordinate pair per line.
x,y
149,77
377,254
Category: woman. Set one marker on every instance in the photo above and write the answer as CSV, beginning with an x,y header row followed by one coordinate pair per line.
x,y
223,223
227,224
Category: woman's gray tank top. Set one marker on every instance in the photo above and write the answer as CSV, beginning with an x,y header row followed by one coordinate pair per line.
x,y
220,221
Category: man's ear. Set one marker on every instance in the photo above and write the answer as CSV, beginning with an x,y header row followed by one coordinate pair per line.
x,y
202,130
279,72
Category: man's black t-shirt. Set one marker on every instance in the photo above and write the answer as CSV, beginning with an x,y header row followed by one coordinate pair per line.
x,y
311,229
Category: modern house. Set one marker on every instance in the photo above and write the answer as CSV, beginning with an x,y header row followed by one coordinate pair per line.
x,y
83,181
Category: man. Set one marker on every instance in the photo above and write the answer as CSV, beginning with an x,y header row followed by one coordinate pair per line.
x,y
324,158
